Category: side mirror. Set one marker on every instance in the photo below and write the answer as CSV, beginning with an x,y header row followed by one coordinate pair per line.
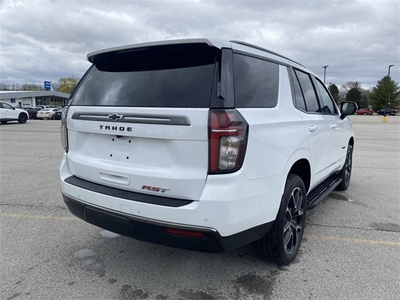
x,y
348,108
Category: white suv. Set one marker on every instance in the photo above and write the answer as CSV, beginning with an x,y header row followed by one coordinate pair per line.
x,y
204,145
11,113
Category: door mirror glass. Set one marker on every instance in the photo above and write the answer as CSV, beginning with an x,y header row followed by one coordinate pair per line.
x,y
348,108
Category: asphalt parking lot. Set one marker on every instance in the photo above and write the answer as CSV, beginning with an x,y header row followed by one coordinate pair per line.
x,y
351,248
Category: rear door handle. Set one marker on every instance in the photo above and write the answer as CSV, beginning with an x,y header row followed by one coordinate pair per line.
x,y
312,128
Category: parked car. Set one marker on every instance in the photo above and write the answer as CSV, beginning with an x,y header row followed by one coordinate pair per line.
x,y
32,111
365,111
46,113
387,111
10,113
204,145
57,114
45,106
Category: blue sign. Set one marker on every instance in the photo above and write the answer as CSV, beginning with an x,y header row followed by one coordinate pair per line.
x,y
47,85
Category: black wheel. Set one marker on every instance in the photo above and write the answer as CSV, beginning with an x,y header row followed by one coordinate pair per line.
x,y
3,122
283,241
22,118
345,173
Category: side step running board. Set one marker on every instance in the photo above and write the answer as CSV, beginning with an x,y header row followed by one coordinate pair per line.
x,y
320,192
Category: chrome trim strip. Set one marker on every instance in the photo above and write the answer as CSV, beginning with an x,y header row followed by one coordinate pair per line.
x,y
133,118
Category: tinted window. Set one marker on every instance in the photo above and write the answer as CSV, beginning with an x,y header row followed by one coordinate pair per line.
x,y
7,106
256,82
308,91
165,76
327,106
298,95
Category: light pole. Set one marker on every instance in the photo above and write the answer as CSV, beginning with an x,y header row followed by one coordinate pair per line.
x,y
387,90
324,67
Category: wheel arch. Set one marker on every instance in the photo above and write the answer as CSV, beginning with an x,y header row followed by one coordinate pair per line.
x,y
299,164
23,117
351,141
302,169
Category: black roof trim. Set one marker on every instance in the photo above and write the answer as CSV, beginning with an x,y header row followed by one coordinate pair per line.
x,y
265,50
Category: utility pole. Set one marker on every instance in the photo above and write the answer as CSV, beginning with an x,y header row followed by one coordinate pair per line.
x,y
324,67
384,117
387,89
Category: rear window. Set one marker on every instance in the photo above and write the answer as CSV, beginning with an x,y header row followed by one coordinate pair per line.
x,y
162,76
256,82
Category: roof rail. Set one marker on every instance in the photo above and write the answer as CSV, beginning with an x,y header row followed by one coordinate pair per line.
x,y
265,50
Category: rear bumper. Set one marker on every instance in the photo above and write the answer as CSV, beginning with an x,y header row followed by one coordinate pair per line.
x,y
154,231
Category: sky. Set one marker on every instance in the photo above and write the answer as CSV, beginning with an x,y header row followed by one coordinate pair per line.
x,y
49,39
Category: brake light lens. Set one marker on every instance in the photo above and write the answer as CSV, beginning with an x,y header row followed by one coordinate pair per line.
x,y
64,129
228,132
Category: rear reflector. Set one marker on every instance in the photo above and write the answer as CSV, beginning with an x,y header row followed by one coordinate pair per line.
x,y
195,234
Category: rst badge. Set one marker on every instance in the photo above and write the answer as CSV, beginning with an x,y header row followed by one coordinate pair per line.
x,y
154,188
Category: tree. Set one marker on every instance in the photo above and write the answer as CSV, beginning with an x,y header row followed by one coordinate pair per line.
x,y
65,85
386,87
31,87
352,91
333,89
4,86
354,94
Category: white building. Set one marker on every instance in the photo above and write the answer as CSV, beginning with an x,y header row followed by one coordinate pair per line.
x,y
32,99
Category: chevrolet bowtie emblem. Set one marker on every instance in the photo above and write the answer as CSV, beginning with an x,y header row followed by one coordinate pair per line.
x,y
115,117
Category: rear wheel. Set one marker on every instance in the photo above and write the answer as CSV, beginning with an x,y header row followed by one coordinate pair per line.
x,y
3,122
22,118
345,173
283,241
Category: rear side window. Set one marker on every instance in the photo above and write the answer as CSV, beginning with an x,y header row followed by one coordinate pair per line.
x,y
299,99
308,92
163,76
326,101
256,81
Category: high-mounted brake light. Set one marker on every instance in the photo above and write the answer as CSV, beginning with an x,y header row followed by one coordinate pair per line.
x,y
64,129
228,132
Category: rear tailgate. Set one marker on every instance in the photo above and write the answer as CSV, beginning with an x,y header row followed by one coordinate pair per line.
x,y
138,120
149,150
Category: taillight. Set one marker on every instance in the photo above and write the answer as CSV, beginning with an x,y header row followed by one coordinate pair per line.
x,y
64,129
228,132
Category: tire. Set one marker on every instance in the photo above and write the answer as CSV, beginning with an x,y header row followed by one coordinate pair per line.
x,y
22,119
283,241
3,122
345,173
